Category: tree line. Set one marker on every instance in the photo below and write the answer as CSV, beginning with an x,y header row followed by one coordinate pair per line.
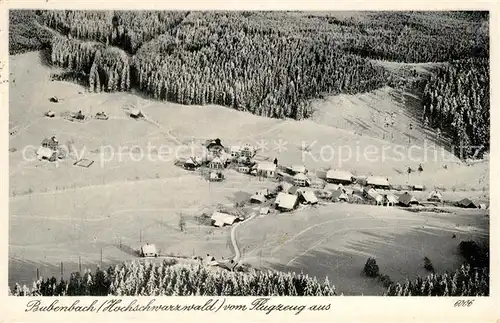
x,y
457,99
163,279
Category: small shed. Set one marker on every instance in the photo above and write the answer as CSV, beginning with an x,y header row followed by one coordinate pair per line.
x,y
301,180
149,250
190,164
418,187
136,113
264,210
378,182
406,199
467,203
216,176
286,202
244,169
339,177
266,169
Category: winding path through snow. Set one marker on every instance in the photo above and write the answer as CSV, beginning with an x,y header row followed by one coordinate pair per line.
x,y
237,256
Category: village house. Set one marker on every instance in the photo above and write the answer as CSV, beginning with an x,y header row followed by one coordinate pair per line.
x,y
390,200
266,169
216,163
286,202
308,197
406,199
378,182
373,195
339,177
247,151
467,203
435,196
301,180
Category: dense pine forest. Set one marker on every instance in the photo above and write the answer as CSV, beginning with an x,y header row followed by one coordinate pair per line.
x,y
270,63
457,98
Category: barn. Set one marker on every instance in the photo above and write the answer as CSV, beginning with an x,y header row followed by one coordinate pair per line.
x,y
149,250
339,177
378,182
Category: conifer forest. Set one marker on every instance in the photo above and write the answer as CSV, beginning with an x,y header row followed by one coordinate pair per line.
x,y
270,63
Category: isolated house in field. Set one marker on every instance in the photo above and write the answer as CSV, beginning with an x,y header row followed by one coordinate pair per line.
x,y
190,164
149,250
339,196
339,177
301,180
308,197
220,219
467,203
216,163
50,114
286,202
46,153
406,199
435,196
378,182
390,200
266,169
